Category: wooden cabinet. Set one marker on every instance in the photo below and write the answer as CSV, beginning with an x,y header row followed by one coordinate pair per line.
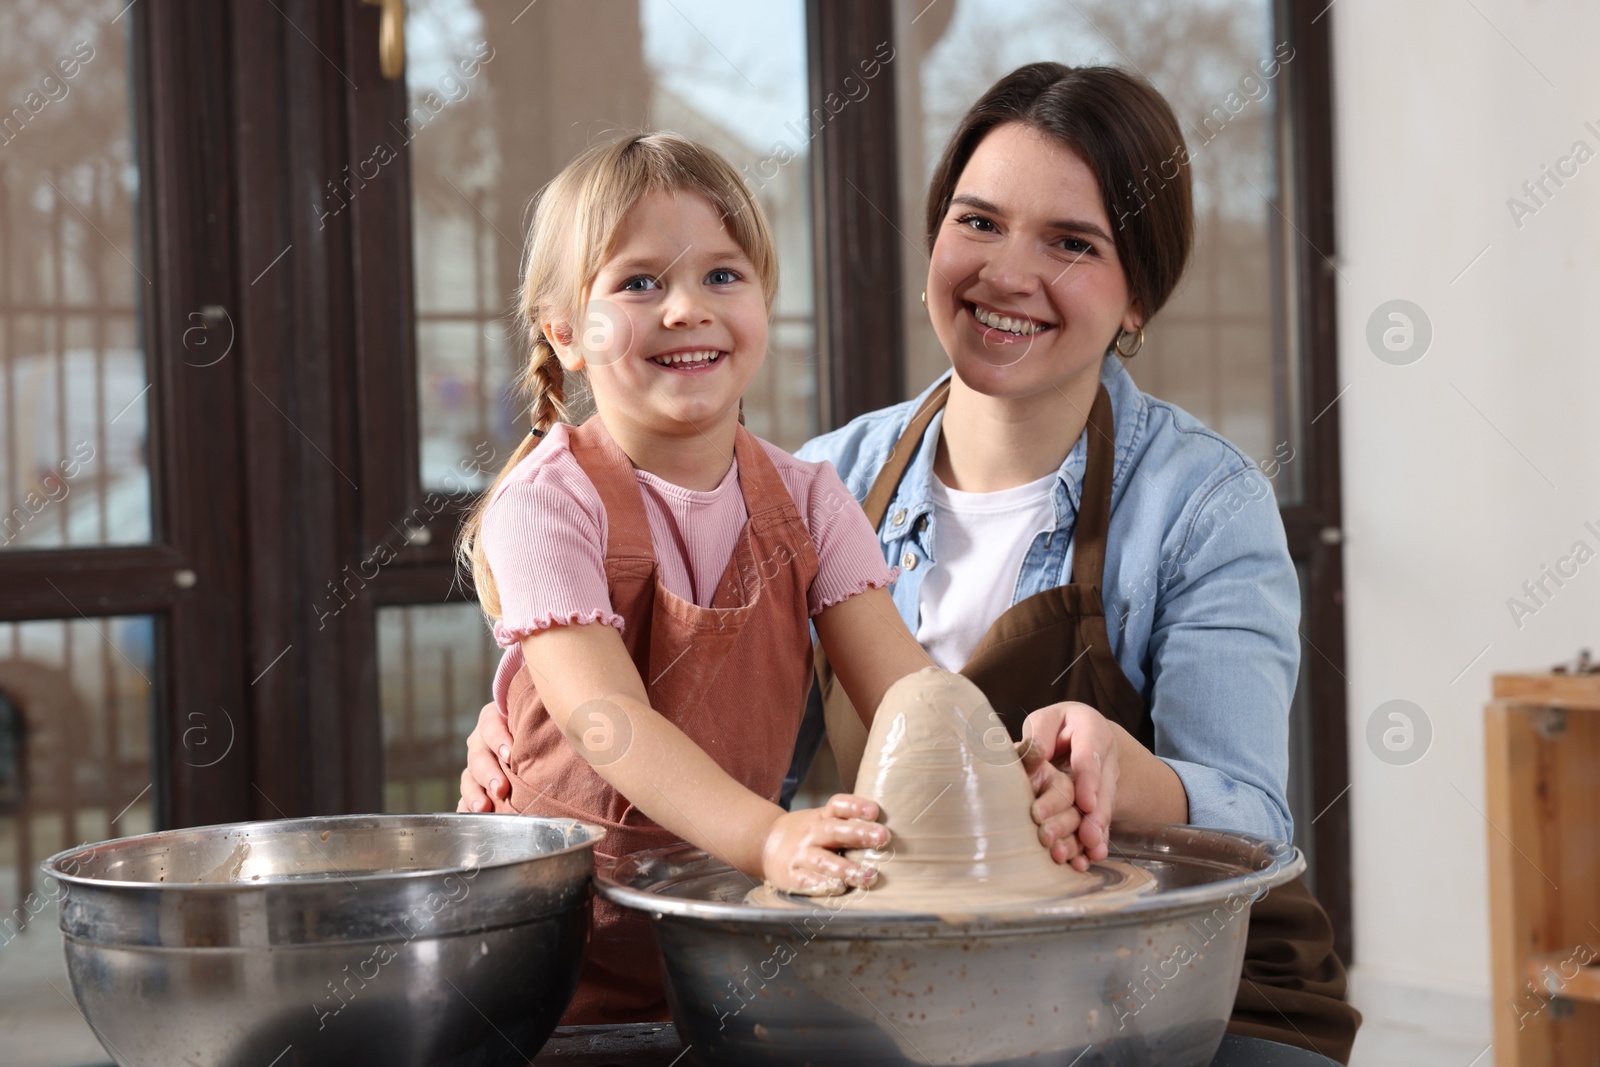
x,y
1542,751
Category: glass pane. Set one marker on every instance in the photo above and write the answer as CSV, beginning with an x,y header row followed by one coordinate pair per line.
x,y
76,721
74,386
1221,348
491,123
436,666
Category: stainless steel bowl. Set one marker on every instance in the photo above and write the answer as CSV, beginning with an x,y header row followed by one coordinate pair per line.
x,y
392,939
830,983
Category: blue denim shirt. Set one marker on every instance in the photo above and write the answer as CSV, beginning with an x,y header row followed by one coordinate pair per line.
x,y
1202,600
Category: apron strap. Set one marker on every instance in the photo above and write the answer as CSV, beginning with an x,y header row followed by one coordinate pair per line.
x,y
894,468
613,476
1094,495
760,483
767,499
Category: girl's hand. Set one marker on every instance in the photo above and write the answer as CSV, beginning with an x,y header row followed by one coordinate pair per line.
x,y
486,778
800,855
1079,740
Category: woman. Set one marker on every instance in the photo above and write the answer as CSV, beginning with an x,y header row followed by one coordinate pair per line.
x,y
1066,540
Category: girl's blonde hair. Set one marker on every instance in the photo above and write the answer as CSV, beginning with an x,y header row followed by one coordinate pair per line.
x,y
575,222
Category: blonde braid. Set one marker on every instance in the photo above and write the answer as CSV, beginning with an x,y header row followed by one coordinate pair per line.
x,y
545,386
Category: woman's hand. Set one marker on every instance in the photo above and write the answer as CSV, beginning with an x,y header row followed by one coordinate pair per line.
x,y
486,778
1079,740
1057,816
799,855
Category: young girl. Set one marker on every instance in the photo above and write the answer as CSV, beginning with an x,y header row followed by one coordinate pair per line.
x,y
653,573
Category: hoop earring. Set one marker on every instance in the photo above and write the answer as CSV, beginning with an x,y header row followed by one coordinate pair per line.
x,y
924,298
1137,344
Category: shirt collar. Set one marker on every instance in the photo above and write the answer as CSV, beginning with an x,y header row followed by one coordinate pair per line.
x,y
1129,412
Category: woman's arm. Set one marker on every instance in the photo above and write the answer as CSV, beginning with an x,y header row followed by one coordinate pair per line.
x,y
675,782
1155,793
1111,772
1222,661
1224,655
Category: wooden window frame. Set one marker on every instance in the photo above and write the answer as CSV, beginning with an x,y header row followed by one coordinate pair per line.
x,y
185,217
1314,526
856,184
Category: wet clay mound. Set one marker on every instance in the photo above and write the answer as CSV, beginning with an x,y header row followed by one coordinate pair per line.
x,y
956,801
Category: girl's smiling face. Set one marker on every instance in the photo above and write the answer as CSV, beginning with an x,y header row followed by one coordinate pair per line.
x,y
1025,288
675,327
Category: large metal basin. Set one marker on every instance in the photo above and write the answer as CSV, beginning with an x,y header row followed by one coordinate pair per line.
x,y
831,983
392,939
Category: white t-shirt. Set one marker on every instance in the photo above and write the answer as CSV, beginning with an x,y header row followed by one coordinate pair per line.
x,y
982,538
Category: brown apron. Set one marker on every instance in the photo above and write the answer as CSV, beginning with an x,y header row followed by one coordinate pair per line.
x,y
1053,647
732,676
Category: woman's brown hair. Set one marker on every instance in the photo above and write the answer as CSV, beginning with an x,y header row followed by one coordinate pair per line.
x,y
575,222
1127,134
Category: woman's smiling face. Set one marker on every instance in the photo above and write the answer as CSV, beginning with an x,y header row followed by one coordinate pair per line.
x,y
1025,288
675,327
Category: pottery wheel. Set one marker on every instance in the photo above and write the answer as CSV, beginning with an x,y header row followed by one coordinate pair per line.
x,y
956,801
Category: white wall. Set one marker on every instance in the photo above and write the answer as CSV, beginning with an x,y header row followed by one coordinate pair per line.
x,y
1442,112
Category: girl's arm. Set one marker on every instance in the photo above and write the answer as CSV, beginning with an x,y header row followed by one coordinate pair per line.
x,y
870,649
673,781
869,646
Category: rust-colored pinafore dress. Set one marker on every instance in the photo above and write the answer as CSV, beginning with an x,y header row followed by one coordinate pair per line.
x,y
1293,985
733,676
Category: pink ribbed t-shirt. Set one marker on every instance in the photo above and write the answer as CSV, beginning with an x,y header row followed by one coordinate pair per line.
x,y
544,533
